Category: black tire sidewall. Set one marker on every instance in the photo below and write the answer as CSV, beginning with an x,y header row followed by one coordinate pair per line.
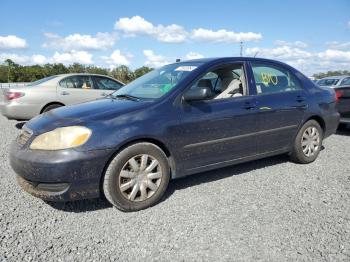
x,y
115,196
298,154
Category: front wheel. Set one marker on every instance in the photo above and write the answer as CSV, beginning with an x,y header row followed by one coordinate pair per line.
x,y
308,143
137,177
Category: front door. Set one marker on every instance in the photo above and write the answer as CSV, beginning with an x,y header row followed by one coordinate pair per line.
x,y
221,128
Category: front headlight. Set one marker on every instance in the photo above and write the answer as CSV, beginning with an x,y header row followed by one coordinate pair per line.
x,y
62,138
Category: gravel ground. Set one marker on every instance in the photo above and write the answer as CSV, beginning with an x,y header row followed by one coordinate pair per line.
x,y
268,210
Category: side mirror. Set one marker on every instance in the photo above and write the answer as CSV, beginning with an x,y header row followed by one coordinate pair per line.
x,y
200,93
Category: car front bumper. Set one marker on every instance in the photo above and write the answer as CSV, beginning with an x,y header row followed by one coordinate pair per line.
x,y
62,175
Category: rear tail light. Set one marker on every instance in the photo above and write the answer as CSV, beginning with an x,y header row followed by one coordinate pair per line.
x,y
13,95
338,94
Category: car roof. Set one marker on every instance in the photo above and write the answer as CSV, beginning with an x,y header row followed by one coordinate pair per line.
x,y
234,58
61,76
73,74
335,77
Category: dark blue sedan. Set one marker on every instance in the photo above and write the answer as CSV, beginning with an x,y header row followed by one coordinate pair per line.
x,y
180,119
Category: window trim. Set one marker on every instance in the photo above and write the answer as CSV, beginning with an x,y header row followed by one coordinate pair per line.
x,y
272,65
94,78
59,83
214,67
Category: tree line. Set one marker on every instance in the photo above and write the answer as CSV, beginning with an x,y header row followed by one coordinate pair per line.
x,y
12,72
331,73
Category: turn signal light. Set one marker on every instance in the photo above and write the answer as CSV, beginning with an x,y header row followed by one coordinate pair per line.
x,y
338,94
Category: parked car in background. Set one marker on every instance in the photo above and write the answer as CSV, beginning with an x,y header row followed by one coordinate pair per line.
x,y
180,119
343,96
333,81
23,103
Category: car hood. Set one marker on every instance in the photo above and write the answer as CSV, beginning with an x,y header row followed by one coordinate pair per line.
x,y
80,114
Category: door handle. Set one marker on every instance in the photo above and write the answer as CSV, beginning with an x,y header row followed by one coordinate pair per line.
x,y
249,105
300,99
64,93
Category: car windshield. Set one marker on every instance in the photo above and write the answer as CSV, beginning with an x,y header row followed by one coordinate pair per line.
x,y
158,82
40,81
327,82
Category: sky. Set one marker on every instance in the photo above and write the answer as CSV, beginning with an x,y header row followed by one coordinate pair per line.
x,y
313,36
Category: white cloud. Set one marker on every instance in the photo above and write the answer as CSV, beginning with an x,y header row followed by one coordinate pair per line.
x,y
134,25
19,59
39,59
71,57
338,45
23,59
174,33
102,41
193,55
116,58
335,55
154,60
297,44
223,35
137,25
306,61
12,42
67,58
281,52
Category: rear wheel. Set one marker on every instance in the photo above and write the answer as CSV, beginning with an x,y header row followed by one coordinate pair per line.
x,y
137,177
308,143
51,107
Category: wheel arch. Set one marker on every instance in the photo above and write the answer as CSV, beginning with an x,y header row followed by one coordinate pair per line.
x,y
319,120
154,141
49,104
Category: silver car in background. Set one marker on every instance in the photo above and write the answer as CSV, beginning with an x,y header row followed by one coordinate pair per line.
x,y
333,81
23,103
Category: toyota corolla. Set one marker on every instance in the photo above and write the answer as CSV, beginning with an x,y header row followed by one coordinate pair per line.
x,y
181,119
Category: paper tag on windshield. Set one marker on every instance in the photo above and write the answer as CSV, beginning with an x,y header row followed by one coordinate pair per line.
x,y
185,68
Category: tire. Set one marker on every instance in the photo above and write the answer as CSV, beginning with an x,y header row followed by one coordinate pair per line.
x,y
131,171
51,107
306,138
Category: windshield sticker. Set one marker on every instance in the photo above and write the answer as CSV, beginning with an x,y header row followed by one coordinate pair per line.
x,y
269,78
185,68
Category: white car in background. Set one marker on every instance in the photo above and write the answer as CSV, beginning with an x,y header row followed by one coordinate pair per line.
x,y
333,81
23,103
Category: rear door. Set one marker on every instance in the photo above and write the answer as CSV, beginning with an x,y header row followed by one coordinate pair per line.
x,y
75,89
281,105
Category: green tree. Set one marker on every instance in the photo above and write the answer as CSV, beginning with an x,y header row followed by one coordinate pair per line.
x,y
122,73
76,68
141,71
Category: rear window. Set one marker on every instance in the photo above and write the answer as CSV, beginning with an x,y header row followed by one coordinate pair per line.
x,y
327,82
40,81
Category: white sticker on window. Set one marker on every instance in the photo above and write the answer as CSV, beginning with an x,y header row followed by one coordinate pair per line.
x,y
258,89
185,68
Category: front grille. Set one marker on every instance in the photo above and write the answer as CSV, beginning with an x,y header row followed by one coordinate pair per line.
x,y
23,138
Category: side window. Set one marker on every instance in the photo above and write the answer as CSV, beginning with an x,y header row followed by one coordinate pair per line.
x,y
273,79
346,81
222,83
83,82
106,83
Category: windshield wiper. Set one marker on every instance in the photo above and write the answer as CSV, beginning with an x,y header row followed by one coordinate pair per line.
x,y
126,96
